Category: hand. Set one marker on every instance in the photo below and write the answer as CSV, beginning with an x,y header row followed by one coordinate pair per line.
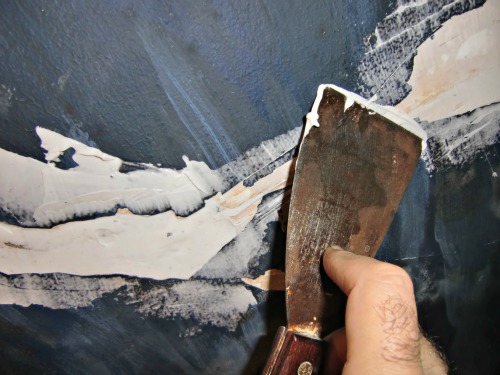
x,y
381,334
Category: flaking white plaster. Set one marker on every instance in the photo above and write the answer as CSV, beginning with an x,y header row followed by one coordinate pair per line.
x,y
458,69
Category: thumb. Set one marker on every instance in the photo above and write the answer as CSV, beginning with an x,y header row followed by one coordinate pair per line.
x,y
381,315
346,269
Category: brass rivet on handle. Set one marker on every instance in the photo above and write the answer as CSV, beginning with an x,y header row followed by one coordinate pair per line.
x,y
305,368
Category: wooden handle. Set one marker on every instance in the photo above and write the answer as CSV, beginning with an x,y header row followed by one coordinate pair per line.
x,y
294,354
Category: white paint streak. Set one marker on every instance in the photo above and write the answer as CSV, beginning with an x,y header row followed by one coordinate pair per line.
x,y
413,24
221,305
410,4
5,99
258,158
56,291
460,138
457,70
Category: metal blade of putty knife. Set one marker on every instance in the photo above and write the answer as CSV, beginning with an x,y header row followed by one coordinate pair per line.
x,y
354,164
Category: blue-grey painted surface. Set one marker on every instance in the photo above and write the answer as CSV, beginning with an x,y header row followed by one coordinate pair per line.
x,y
151,81
445,235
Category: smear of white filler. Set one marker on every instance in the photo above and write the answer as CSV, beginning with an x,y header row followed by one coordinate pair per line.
x,y
313,117
88,158
458,69
387,64
160,246
57,291
261,157
393,114
221,305
458,139
41,194
243,253
349,102
480,121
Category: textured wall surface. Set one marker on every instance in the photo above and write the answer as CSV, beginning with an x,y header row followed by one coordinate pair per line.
x,y
151,82
145,150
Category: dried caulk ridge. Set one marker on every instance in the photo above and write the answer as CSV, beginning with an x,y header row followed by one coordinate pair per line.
x,y
393,114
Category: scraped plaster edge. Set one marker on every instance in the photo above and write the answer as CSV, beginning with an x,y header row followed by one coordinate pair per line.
x,y
391,113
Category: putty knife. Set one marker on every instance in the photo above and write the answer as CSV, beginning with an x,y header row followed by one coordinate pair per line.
x,y
354,164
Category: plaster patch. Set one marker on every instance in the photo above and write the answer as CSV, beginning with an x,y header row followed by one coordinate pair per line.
x,y
387,64
159,246
88,158
458,69
393,114
43,195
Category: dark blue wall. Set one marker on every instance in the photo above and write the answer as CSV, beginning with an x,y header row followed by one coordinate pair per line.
x,y
151,81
